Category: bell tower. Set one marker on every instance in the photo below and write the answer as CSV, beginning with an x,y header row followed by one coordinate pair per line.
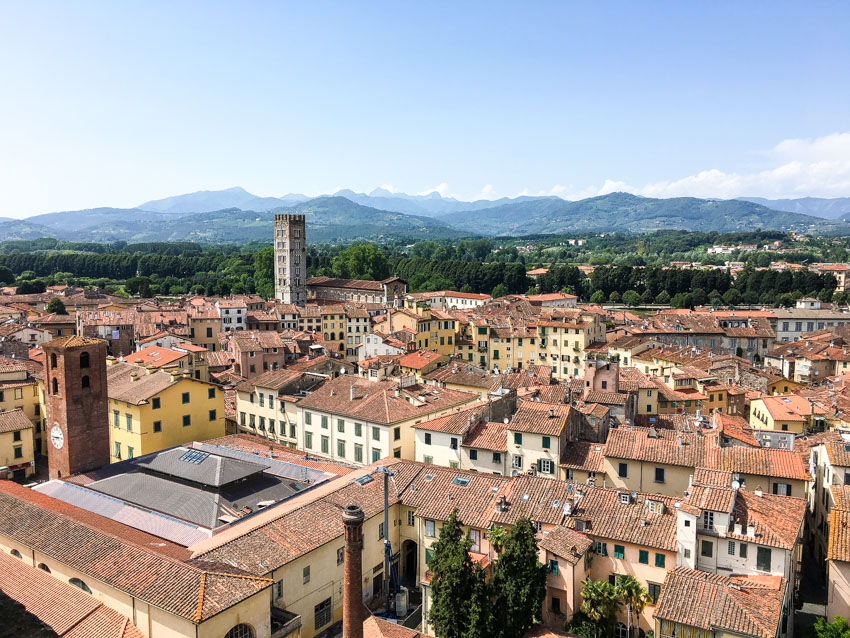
x,y
75,405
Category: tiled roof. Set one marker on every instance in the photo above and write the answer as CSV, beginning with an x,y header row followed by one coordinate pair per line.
x,y
458,422
355,284
42,523
121,384
155,356
374,627
463,375
777,520
14,421
581,455
273,379
768,462
72,341
420,359
837,451
376,402
741,605
565,543
707,476
656,446
711,497
488,435
68,611
435,492
839,535
607,398
537,417
791,407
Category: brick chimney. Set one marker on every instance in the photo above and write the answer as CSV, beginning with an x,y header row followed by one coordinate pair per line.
x,y
352,593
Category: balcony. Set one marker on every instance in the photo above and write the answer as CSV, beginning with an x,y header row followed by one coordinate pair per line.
x,y
284,623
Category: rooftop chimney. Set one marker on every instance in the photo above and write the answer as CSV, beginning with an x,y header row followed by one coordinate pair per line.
x,y
351,395
352,593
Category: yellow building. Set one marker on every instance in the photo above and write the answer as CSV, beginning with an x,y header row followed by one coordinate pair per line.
x,y
204,324
790,413
19,390
151,410
17,456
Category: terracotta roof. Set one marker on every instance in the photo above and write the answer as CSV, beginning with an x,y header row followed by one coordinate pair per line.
x,y
565,543
839,535
778,520
460,374
458,422
68,611
273,379
711,497
374,627
421,359
750,606
14,421
72,341
488,435
607,398
768,462
355,284
376,402
656,446
790,407
154,356
581,455
537,417
121,384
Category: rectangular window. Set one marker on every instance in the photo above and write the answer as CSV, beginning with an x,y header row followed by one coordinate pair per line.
x,y
429,460
278,589
358,429
654,592
340,556
546,466
497,457
212,415
340,449
187,420
553,567
157,426
411,518
185,397
643,557
324,422
707,549
429,555
128,418
453,443
659,560
619,551
308,440
117,450
708,520
211,393
429,528
731,548
623,470
340,425
396,434
742,550
473,455
763,559
322,613
517,438
376,434
659,474
601,549
547,442
305,575
326,443
308,418
376,456
783,489
116,418
19,452
129,452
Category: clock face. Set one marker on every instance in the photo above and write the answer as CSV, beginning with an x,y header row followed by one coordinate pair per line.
x,y
57,437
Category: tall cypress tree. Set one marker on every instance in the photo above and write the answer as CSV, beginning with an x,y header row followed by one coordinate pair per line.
x,y
519,581
453,581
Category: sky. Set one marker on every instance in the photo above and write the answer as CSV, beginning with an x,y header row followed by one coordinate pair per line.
x,y
117,103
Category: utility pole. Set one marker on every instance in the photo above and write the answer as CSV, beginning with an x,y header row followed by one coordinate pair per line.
x,y
387,545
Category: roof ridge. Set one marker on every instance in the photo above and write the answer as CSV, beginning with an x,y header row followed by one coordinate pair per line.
x,y
199,613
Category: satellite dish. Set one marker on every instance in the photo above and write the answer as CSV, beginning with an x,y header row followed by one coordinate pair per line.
x,y
736,485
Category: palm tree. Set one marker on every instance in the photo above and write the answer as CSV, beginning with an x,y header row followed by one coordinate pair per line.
x,y
599,601
633,595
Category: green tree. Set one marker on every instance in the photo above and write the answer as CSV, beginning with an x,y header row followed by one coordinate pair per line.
x,y
519,580
732,297
57,306
453,581
361,261
264,272
597,297
838,628
631,298
633,595
499,291
599,600
663,298
6,275
481,615
614,297
532,291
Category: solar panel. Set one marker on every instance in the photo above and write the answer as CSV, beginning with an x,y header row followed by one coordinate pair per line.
x,y
194,456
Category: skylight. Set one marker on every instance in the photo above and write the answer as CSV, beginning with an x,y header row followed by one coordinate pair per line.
x,y
194,456
364,480
525,497
460,480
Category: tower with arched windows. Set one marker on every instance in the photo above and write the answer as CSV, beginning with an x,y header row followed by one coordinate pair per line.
x,y
75,405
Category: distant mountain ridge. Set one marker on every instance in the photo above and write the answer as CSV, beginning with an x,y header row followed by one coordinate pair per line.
x,y
835,208
236,216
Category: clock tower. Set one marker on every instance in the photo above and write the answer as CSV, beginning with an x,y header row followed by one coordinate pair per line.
x,y
75,405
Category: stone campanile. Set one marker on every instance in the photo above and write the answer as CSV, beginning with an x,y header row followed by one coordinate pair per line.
x,y
75,405
290,259
352,588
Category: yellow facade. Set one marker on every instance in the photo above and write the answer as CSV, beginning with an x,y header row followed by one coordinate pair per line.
x,y
761,419
144,428
16,452
204,331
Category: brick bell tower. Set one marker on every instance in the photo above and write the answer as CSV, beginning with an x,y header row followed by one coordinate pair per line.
x,y
75,405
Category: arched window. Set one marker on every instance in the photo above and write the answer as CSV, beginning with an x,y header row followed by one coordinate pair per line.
x,y
52,359
240,631
85,382
85,360
16,553
76,582
55,386
44,567
622,631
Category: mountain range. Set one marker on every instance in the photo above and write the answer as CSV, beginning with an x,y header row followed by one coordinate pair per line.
x,y
236,216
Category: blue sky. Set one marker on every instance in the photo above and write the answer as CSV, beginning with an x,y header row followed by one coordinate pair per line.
x,y
115,103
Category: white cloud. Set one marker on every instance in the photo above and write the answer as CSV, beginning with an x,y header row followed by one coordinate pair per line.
x,y
442,189
488,192
387,187
801,168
